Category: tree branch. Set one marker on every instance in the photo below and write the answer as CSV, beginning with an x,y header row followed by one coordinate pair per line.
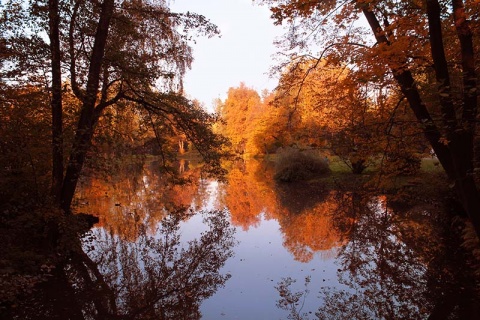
x,y
408,87
73,72
440,66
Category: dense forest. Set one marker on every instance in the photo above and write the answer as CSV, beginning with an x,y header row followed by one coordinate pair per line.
x,y
87,84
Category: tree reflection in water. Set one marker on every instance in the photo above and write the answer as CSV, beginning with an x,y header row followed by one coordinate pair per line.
x,y
158,276
397,264
386,276
304,213
139,193
392,262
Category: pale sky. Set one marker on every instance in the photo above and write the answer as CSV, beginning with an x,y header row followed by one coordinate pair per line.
x,y
244,53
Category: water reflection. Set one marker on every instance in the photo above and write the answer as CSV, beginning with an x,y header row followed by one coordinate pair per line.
x,y
392,263
363,257
248,193
386,275
138,195
396,264
305,214
158,276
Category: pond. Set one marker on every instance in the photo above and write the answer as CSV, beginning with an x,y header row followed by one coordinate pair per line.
x,y
248,248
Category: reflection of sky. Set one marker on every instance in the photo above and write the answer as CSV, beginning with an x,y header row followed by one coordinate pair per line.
x,y
259,264
261,261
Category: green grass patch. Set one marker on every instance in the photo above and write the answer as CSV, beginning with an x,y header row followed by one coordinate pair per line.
x,y
431,165
338,166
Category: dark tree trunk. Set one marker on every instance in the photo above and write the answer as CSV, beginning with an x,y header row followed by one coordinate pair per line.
x,y
470,105
459,135
407,85
456,156
88,116
56,102
358,166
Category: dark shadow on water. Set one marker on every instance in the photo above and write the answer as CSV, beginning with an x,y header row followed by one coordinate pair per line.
x,y
154,277
299,196
395,265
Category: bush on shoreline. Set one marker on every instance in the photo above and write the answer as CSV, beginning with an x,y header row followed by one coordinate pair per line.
x,y
295,165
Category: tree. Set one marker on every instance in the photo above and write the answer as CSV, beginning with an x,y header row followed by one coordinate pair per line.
x,y
271,127
410,39
328,108
111,52
24,126
239,112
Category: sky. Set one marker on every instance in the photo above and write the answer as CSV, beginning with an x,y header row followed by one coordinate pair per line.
x,y
244,52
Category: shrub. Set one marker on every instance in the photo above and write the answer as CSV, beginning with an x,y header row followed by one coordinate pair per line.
x,y
294,165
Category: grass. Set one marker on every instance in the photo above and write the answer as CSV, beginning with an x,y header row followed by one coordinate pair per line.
x,y
428,181
431,165
338,166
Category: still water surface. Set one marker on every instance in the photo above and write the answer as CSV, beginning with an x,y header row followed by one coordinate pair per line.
x,y
250,249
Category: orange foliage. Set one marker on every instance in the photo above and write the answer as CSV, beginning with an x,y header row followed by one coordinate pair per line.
x,y
247,194
315,221
312,230
133,198
306,219
240,113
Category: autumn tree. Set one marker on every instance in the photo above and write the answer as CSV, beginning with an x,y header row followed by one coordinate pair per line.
x,y
327,108
239,113
408,40
271,129
108,53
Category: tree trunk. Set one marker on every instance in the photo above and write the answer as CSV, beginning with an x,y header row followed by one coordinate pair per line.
x,y
456,156
407,85
459,135
56,102
86,124
181,146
